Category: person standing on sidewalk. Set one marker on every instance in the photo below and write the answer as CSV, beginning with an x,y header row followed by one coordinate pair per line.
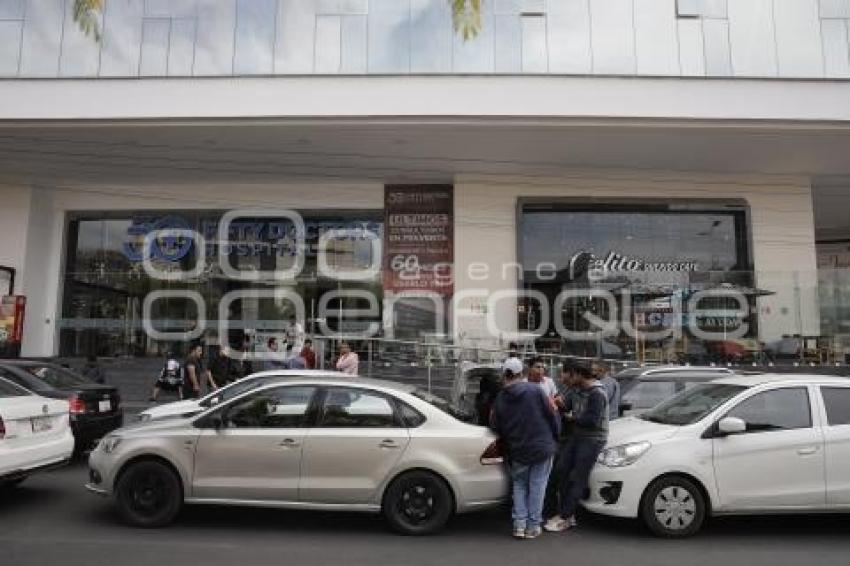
x,y
588,412
195,374
537,374
309,354
523,418
612,389
348,362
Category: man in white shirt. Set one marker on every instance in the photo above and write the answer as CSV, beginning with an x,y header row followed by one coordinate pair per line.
x,y
537,374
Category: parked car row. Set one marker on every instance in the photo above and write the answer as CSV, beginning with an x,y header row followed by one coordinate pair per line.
x,y
47,414
712,443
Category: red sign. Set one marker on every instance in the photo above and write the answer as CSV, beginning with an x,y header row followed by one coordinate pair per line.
x,y
419,238
11,324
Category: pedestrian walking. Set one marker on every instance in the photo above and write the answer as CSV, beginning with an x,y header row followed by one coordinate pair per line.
x,y
348,361
170,378
528,426
588,411
195,374
223,368
602,372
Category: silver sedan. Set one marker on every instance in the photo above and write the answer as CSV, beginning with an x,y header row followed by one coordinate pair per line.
x,y
306,443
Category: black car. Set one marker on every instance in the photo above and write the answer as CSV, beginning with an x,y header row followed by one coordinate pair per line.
x,y
95,409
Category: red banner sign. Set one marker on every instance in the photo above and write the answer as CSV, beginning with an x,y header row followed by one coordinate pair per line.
x,y
419,238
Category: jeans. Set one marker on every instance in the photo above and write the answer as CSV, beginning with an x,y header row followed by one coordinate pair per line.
x,y
577,459
528,484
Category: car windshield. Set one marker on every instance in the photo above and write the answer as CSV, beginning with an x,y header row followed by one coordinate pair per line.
x,y
58,377
232,391
693,404
442,404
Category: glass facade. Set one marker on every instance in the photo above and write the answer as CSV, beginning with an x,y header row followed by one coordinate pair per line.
x,y
110,294
133,38
652,282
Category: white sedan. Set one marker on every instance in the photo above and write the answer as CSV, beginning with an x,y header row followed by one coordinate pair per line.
x,y
760,444
35,433
190,407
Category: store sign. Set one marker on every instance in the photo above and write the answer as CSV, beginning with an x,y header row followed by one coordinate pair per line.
x,y
419,238
12,309
595,267
246,237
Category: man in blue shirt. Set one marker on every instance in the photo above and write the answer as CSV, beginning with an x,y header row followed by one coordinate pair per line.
x,y
525,420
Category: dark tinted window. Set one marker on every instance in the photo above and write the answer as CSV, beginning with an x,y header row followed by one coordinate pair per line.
x,y
280,407
780,409
58,377
23,378
347,408
9,389
411,417
837,401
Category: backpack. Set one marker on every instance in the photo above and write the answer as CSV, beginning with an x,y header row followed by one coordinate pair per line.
x,y
171,373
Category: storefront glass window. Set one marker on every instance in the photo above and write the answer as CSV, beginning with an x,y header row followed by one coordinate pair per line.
x,y
650,282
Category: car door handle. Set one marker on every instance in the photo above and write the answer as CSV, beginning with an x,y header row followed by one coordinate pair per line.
x,y
388,444
289,443
807,451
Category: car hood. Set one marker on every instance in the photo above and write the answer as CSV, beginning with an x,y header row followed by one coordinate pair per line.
x,y
634,429
142,428
172,409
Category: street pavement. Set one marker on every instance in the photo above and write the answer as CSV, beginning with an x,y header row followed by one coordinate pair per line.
x,y
51,519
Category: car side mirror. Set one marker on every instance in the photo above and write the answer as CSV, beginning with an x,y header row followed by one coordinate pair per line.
x,y
731,425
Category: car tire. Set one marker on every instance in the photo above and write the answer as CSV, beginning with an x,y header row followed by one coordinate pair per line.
x,y
673,507
148,494
418,503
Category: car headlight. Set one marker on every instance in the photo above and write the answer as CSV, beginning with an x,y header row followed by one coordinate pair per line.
x,y
109,443
623,455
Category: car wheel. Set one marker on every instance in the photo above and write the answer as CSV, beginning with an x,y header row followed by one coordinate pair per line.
x,y
148,494
418,503
673,507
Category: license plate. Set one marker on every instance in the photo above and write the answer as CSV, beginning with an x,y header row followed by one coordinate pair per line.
x,y
104,406
41,424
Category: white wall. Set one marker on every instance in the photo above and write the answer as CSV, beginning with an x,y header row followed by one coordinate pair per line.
x,y
782,234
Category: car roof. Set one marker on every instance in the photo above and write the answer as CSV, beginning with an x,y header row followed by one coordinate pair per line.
x,y
673,373
765,378
321,377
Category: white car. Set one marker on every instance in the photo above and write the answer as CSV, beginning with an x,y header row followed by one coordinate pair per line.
x,y
191,407
759,444
35,433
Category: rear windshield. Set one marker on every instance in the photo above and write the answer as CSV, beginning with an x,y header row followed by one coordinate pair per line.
x,y
9,389
54,376
442,404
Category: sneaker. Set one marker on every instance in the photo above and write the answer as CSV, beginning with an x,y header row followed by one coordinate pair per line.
x,y
533,532
556,524
519,532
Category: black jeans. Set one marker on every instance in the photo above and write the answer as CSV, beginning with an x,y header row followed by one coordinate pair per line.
x,y
576,461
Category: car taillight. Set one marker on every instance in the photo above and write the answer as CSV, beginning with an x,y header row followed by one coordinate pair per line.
x,y
2,429
493,454
76,405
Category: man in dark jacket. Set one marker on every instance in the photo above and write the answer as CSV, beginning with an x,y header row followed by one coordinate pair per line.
x,y
525,421
588,411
